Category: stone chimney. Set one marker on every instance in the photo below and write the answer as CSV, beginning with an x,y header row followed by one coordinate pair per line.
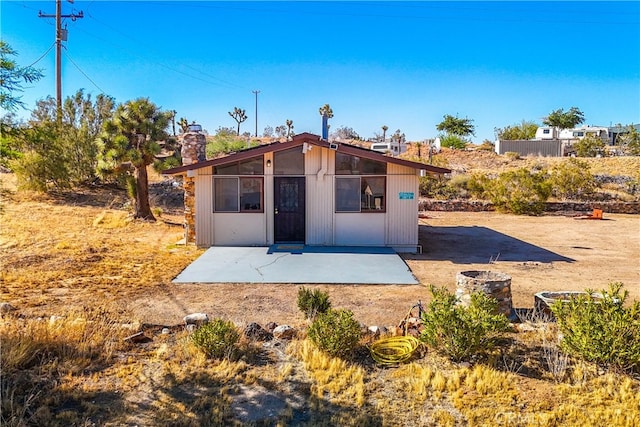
x,y
193,151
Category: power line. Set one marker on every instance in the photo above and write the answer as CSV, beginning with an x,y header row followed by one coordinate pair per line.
x,y
256,92
83,73
61,35
220,82
43,55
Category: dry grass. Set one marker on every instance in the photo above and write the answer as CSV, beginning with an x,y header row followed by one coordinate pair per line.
x,y
80,261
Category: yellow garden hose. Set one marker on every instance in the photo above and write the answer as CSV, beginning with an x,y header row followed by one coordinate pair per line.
x,y
392,350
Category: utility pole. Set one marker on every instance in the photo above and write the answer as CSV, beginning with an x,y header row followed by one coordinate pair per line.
x,y
256,93
61,35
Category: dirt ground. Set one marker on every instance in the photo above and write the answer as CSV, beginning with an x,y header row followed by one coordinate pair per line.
x,y
539,253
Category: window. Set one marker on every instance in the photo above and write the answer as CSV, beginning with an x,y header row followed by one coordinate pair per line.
x,y
288,162
252,166
238,194
361,194
546,131
347,164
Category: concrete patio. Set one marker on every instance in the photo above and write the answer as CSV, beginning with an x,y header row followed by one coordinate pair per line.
x,y
297,263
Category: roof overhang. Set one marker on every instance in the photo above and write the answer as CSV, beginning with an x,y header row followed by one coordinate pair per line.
x,y
298,140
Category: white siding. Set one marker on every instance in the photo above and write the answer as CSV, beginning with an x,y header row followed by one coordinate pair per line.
x,y
402,214
360,229
319,169
240,229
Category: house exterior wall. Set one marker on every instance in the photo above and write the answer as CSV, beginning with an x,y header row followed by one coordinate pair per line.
x,y
320,169
397,227
401,225
204,208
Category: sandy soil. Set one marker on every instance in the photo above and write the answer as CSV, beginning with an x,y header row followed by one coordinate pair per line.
x,y
539,253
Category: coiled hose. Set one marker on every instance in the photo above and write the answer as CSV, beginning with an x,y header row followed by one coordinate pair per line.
x,y
392,350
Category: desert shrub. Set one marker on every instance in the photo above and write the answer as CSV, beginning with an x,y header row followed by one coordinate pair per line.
x,y
311,303
434,187
477,185
512,155
453,141
217,339
336,332
520,191
572,179
460,332
601,330
589,146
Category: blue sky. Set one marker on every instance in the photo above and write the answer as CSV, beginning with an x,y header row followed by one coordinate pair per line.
x,y
400,64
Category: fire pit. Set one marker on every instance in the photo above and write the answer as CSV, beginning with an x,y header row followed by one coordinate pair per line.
x,y
492,283
543,300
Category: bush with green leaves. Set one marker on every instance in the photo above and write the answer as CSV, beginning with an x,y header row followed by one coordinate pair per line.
x,y
217,339
589,146
458,331
336,332
520,191
600,328
572,179
313,302
453,141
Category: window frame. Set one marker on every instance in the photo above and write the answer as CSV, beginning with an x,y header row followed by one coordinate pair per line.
x,y
238,193
361,193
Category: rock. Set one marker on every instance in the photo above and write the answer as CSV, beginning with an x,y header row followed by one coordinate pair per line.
x,y
284,332
196,319
256,332
376,331
271,326
5,308
54,319
139,337
165,331
190,327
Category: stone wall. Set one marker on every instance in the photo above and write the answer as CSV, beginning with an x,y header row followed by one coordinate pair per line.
x,y
193,151
551,207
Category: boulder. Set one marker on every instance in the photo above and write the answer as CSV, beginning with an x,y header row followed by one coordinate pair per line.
x,y
5,308
196,319
271,326
258,333
284,332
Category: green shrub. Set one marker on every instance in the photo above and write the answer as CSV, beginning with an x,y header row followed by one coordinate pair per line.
x,y
589,146
217,339
311,303
572,179
453,141
520,191
458,331
335,332
601,330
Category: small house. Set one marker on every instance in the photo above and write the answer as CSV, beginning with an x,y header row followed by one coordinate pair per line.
x,y
303,191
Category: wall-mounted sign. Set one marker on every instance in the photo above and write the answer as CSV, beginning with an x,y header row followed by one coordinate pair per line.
x,y
405,195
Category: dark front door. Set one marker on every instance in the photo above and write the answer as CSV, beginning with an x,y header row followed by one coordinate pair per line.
x,y
288,223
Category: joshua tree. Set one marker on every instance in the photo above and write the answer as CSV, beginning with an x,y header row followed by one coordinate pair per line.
x,y
385,128
289,124
326,110
239,115
131,136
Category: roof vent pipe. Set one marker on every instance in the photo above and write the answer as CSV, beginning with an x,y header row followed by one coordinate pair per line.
x,y
325,127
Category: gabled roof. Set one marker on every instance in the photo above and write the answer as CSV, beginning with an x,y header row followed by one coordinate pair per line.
x,y
298,140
